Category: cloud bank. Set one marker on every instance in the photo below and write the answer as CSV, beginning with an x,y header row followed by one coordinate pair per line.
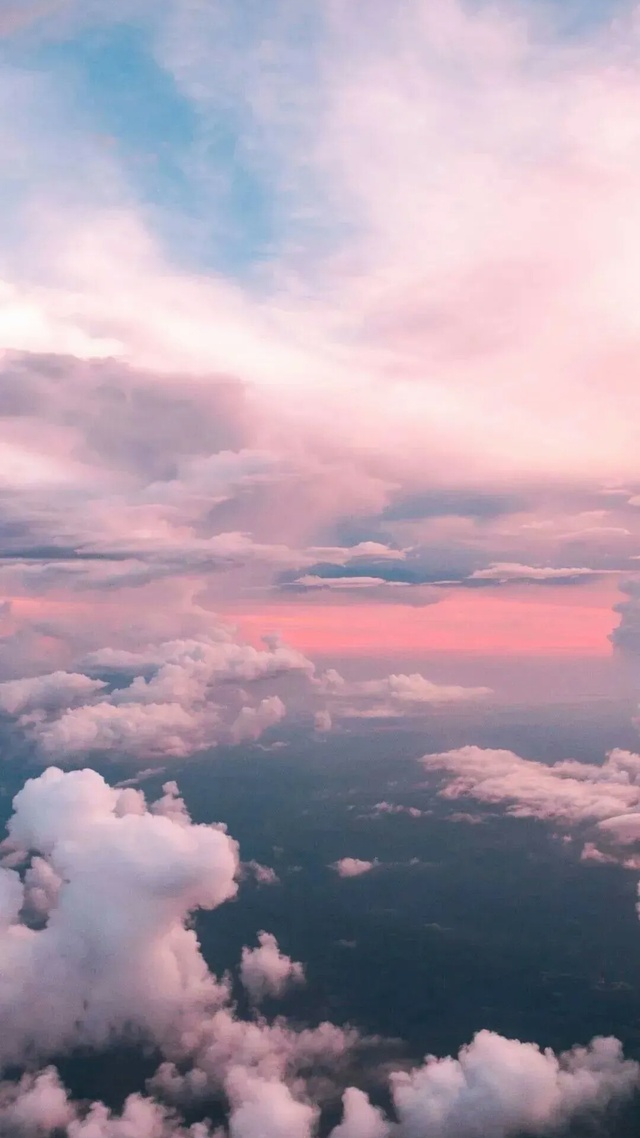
x,y
131,968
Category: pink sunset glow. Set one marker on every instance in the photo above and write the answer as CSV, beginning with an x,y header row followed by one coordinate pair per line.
x,y
485,625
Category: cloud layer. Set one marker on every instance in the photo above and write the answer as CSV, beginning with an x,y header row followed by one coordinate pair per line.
x,y
131,968
569,793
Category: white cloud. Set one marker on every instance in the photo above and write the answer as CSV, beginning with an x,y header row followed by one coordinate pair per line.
x,y
570,792
97,972
511,571
180,696
502,1087
47,693
262,1108
95,969
266,971
322,721
391,696
352,866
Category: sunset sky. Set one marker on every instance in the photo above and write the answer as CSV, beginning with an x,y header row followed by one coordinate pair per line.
x,y
319,448
323,325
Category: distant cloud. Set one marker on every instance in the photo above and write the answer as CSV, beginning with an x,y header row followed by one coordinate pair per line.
x,y
571,794
626,636
166,705
391,696
510,571
352,866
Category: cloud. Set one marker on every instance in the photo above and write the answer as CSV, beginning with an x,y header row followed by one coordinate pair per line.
x,y
129,963
322,721
501,1085
392,696
569,793
338,590
252,722
266,971
131,968
626,636
355,583
496,1086
180,696
37,1104
47,693
267,1108
352,866
502,572
381,808
263,874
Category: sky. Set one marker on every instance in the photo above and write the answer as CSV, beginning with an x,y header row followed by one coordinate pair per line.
x,y
319,414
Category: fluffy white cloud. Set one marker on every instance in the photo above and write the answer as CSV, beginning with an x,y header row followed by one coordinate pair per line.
x,y
130,963
262,1108
263,874
179,697
502,571
113,881
495,1086
322,721
266,971
36,1104
252,722
47,693
503,1087
127,961
390,696
352,866
568,793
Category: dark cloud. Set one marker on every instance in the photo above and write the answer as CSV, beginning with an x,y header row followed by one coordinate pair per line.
x,y
626,636
123,416
453,503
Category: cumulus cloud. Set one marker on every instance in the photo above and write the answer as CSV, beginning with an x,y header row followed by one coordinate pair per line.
x,y
496,1086
135,470
567,793
266,971
390,696
322,721
47,693
179,697
252,722
382,808
348,583
130,968
352,866
505,571
263,874
266,1107
128,963
626,636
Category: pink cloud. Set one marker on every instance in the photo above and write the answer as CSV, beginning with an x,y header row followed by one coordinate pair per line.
x,y
352,867
266,971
